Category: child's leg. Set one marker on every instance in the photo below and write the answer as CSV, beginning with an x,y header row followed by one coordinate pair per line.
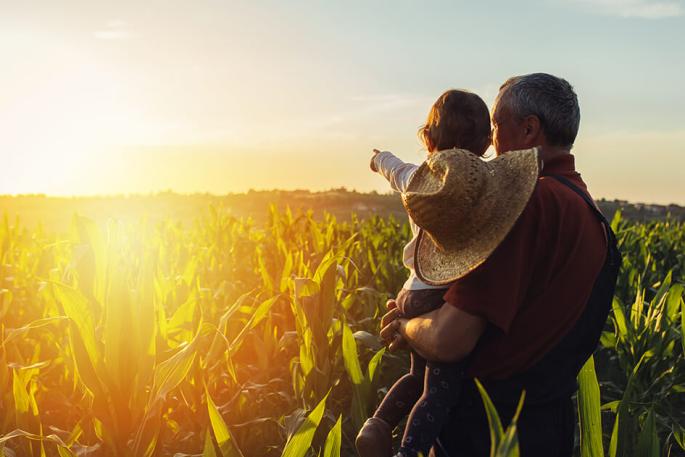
x,y
441,391
375,437
402,396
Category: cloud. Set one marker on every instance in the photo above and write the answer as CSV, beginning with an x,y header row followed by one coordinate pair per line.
x,y
114,30
645,9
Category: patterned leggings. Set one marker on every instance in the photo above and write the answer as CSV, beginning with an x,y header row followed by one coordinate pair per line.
x,y
426,393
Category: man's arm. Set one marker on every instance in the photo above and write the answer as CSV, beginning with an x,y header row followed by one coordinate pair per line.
x,y
447,334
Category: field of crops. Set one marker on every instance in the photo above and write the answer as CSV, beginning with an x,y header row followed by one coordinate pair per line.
x,y
227,339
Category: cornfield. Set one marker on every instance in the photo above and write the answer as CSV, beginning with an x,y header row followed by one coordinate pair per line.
x,y
225,338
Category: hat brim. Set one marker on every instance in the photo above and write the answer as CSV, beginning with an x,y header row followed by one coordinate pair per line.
x,y
509,193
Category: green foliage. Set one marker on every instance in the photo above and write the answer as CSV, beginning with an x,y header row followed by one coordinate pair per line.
x,y
222,434
334,440
113,337
589,412
503,443
299,443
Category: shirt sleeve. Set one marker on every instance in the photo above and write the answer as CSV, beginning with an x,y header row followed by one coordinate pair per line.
x,y
496,290
397,172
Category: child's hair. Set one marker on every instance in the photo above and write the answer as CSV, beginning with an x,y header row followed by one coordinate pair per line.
x,y
457,119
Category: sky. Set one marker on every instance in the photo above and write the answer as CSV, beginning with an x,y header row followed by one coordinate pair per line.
x,y
126,97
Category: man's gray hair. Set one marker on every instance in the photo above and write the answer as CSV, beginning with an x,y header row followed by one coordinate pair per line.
x,y
551,99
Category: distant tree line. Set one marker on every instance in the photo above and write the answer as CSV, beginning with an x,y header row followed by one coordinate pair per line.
x,y
57,212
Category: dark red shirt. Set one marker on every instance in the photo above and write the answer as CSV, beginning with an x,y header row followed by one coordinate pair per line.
x,y
535,285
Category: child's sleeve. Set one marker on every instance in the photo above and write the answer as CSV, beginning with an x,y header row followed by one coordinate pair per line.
x,y
397,172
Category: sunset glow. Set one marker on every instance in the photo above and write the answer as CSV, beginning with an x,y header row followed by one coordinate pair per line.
x,y
212,244
225,97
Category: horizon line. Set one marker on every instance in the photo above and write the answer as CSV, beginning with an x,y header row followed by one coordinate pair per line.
x,y
273,190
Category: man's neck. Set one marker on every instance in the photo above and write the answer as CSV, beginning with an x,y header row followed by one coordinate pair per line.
x,y
549,153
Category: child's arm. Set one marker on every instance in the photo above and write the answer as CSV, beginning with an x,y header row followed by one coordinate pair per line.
x,y
397,172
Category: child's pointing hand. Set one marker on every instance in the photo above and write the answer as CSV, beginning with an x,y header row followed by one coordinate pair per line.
x,y
373,161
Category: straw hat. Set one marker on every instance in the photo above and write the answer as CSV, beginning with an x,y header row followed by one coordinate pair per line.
x,y
465,207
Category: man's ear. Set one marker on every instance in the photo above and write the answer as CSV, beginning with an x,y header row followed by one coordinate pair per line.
x,y
532,128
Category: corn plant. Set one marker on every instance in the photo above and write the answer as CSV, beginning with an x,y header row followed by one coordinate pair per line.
x,y
228,338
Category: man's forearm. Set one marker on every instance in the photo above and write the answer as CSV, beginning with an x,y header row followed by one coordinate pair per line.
x,y
444,335
421,334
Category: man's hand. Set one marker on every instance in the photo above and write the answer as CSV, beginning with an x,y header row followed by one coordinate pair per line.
x,y
391,325
373,160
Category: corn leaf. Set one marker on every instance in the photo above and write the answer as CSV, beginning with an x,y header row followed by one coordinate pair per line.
x,y
359,382
62,448
172,371
77,308
373,367
509,446
298,445
12,333
589,411
648,440
496,430
208,450
227,445
334,440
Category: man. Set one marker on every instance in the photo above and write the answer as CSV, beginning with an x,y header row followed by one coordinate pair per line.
x,y
530,315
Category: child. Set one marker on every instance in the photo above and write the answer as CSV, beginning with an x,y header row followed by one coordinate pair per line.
x,y
458,119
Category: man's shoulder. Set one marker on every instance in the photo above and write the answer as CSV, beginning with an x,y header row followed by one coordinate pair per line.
x,y
550,194
552,206
562,213
543,200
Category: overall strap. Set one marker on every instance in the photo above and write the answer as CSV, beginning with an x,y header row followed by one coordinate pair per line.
x,y
591,204
583,195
